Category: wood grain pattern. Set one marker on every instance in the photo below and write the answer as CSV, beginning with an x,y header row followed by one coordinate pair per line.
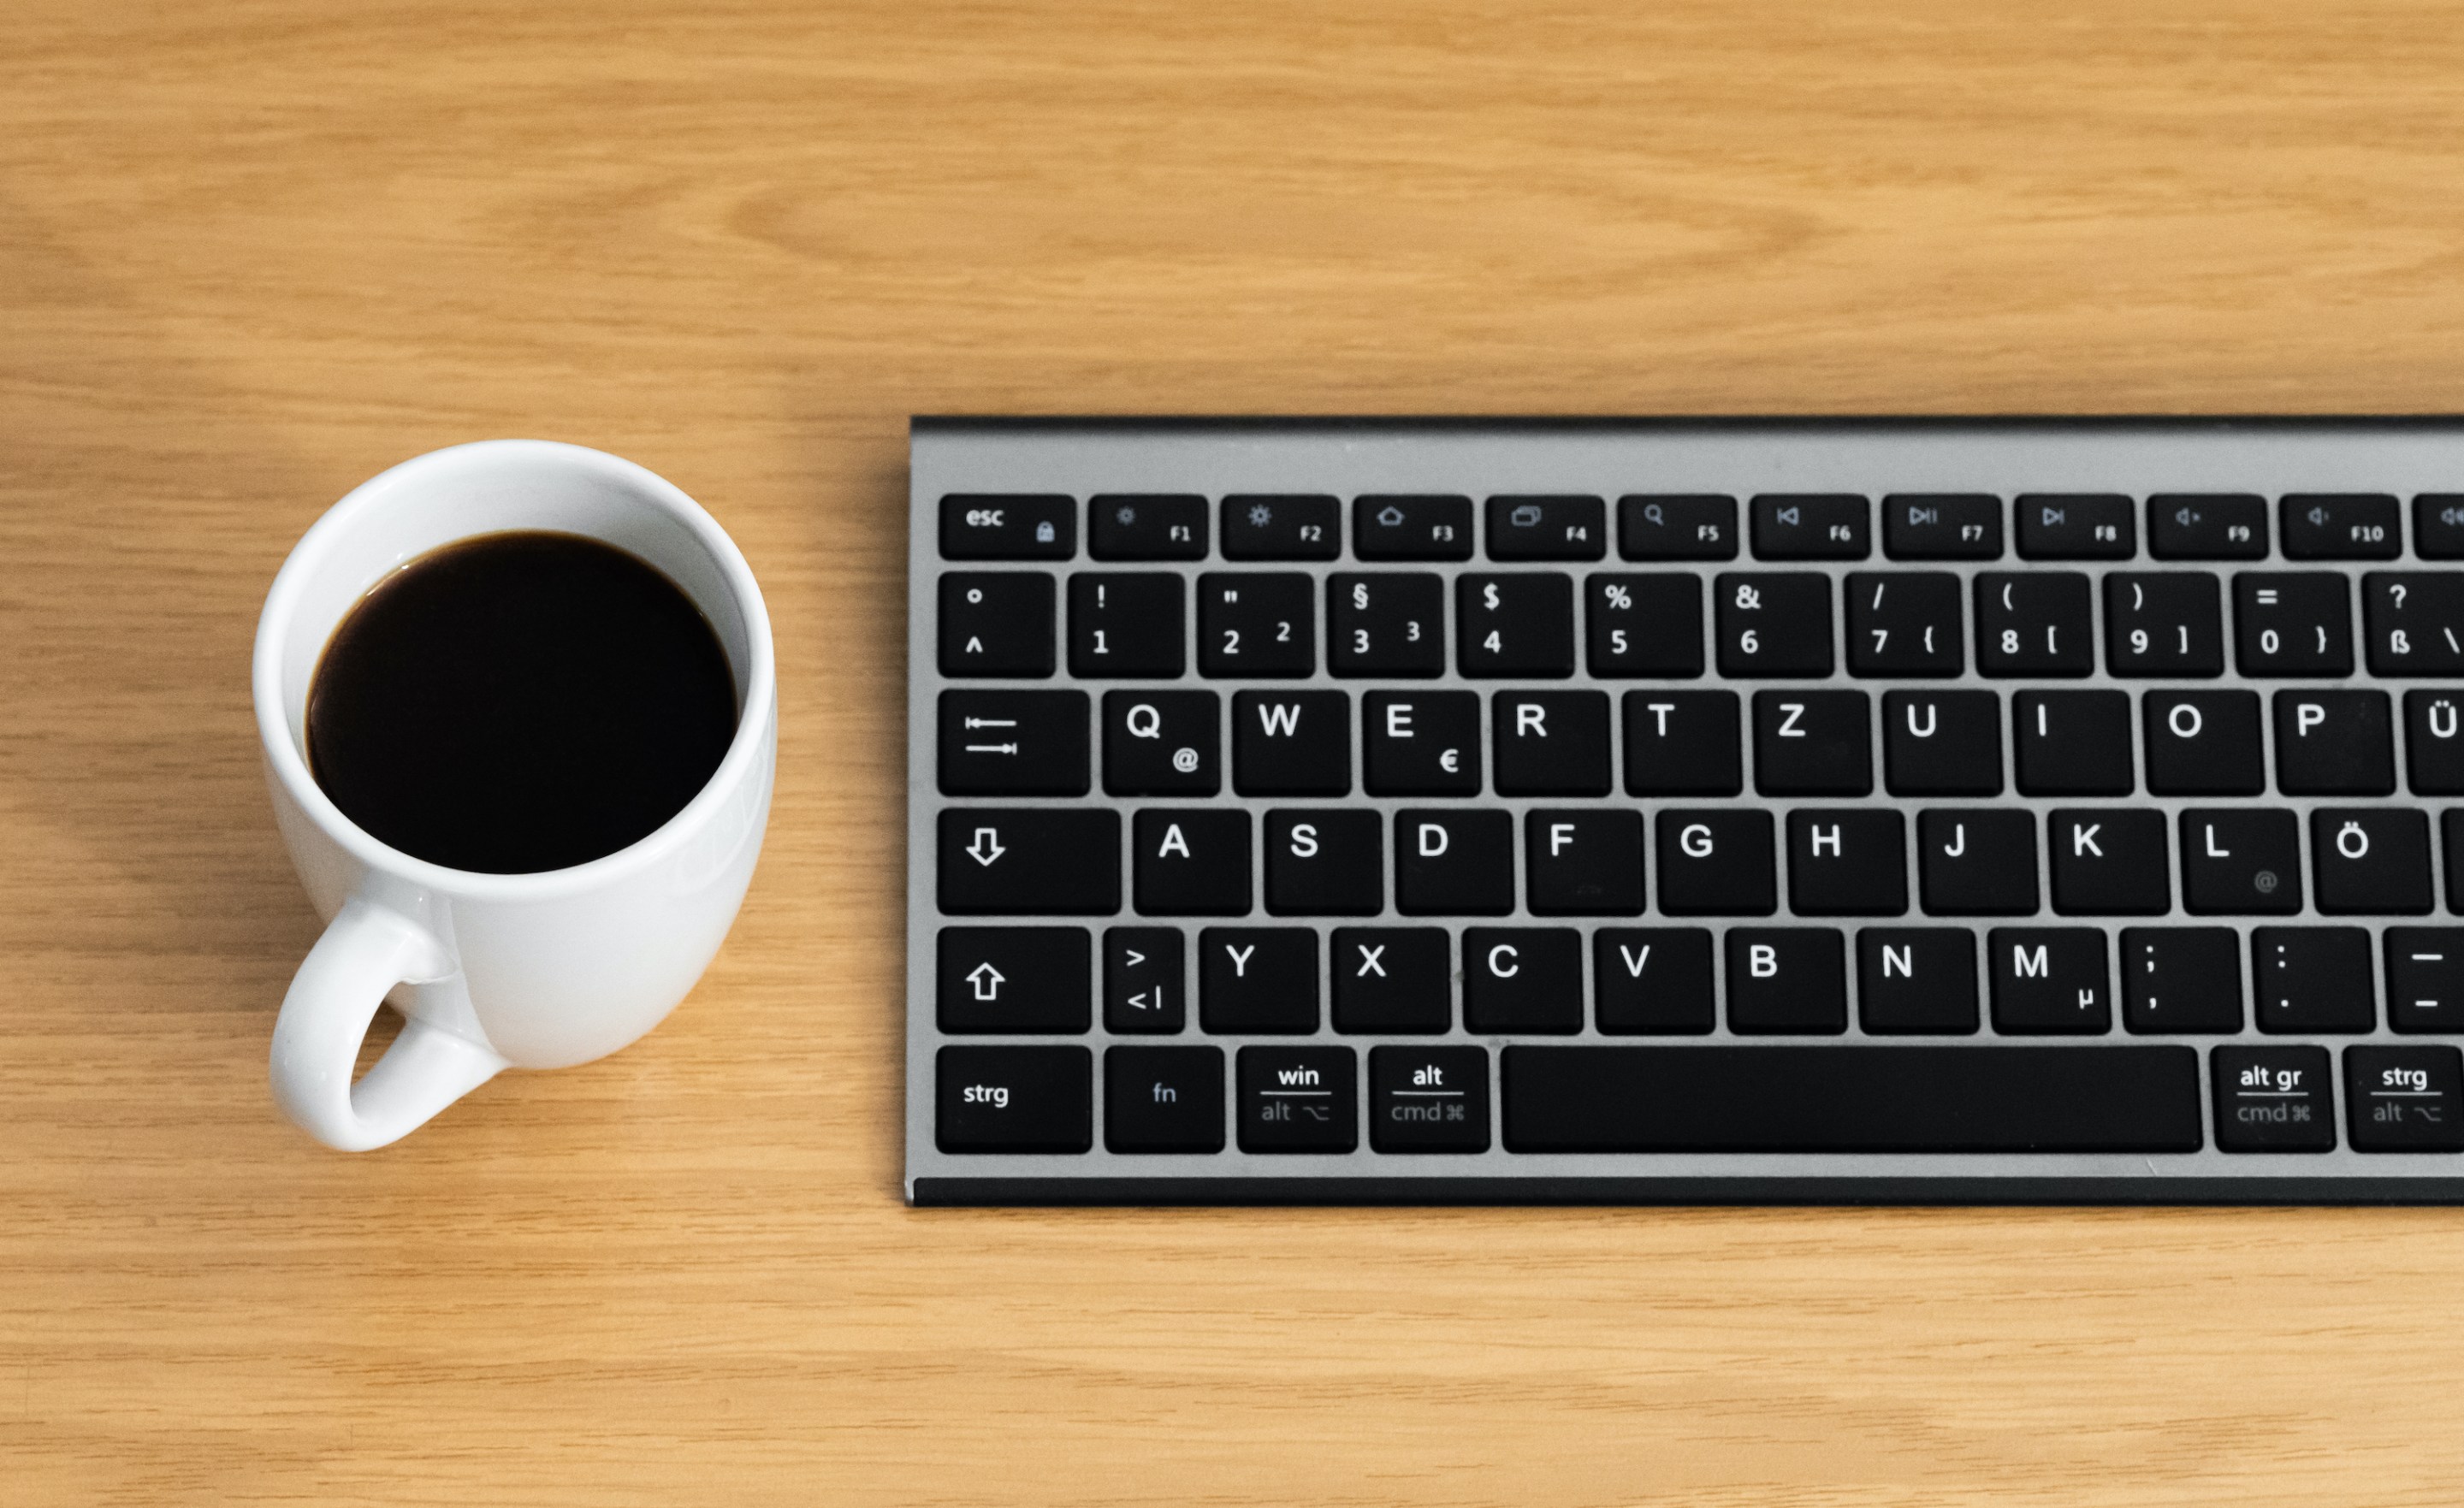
x,y
253,252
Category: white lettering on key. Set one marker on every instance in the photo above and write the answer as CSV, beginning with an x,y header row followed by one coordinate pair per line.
x,y
2083,840
1173,843
1926,732
1398,719
2214,852
1240,957
1762,960
1304,839
1369,964
1826,838
1503,970
1696,840
2027,964
1280,719
1901,961
1788,727
1144,722
2180,729
1561,837
2306,716
1433,839
1531,720
1660,711
1633,961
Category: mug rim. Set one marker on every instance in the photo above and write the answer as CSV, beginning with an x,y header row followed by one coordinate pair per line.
x,y
309,555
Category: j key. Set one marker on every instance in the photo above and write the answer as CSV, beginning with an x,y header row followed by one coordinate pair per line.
x,y
1126,626
1014,1100
2049,980
1141,526
2065,526
1644,624
1942,743
1454,864
2371,861
1191,862
2241,862
1162,743
2204,743
1012,980
1144,970
2313,978
1421,743
1677,527
1547,529
1388,528
1388,623
2274,1099
996,623
2110,863
2438,526
2162,623
1282,528
1551,743
1715,862
1428,1098
1978,862
1904,623
2037,623
1942,526
1391,978
1812,527
2181,979
1299,1100
1849,863
2415,622
1523,979
1326,863
1257,979
2342,526
1256,623
1774,624
2291,624
1786,980
1770,1098
2434,740
2335,743
1916,980
1653,982
1585,861
2403,1098
1013,743
1008,526
1520,625
2072,743
1813,743
2425,978
2206,526
1683,743
1030,861
1164,1099
1291,743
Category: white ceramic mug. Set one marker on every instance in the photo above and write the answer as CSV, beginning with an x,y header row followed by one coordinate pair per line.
x,y
496,971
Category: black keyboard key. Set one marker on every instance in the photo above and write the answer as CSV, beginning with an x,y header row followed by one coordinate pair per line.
x,y
1551,743
2291,622
1786,980
1291,743
2072,743
2204,743
1833,1098
1653,982
1523,979
1521,624
1164,1099
2034,624
1548,529
1145,973
2181,979
2110,863
1905,623
1942,743
1583,862
1813,743
1012,743
1299,1100
1122,525
1428,1098
1257,979
2077,526
1271,527
1256,623
1852,862
1008,526
2415,622
1191,862
1683,743
2313,978
1421,743
996,623
1978,862
2425,978
2336,743
2206,526
1012,980
1014,1100
1677,527
1395,528
2274,1099
1326,861
2438,526
2371,861
1125,626
1775,624
1715,862
2049,981
1162,743
1028,861
1391,978
2342,526
2164,622
1644,624
1823,526
1916,980
2451,834
2434,742
1454,864
2240,862
2403,1098
1387,624
1942,526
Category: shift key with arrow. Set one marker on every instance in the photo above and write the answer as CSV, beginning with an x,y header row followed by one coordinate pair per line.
x,y
1143,980
1012,980
1028,861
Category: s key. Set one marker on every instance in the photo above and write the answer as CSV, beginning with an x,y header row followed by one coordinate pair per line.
x,y
2415,622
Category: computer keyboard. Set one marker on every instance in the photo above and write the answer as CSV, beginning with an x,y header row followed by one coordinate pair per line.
x,y
1869,810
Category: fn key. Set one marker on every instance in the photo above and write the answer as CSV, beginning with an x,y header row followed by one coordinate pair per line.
x,y
1014,1100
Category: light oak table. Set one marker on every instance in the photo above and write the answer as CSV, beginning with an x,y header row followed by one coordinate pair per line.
x,y
253,252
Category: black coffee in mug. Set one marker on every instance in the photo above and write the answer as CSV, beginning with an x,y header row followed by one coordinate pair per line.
x,y
518,701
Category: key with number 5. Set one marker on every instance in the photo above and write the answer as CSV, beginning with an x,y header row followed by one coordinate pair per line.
x,y
2415,621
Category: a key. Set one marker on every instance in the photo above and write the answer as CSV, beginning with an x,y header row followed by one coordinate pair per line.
x,y
1980,862
2049,980
1905,623
1916,980
1190,862
996,623
1028,861
1012,980
1551,743
1256,623
1847,862
1644,624
2335,743
1811,526
1786,980
1391,978
2403,1098
2371,861
2109,863
2342,526
1583,862
1454,864
1323,862
1261,527
2313,978
1521,624
2077,526
2434,742
1677,527
1013,743
2291,622
2204,743
2425,978
2206,526
1523,979
1813,743
1398,528
1162,743
2181,979
2034,624
1164,1099
1008,526
1013,1099
2240,862
2274,1099
1715,862
1386,624
1547,529
1144,974
1299,1100
1683,743
1942,526
1653,982
1421,743
1257,979
2438,526
1124,624
1291,743
2164,622
1428,1098
1774,624
2072,743
1124,526
1942,743
2415,622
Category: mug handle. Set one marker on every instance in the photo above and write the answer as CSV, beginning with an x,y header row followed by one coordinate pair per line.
x,y
367,950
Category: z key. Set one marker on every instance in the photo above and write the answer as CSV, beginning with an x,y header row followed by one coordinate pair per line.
x,y
2415,622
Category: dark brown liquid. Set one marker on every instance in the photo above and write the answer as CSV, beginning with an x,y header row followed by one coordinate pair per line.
x,y
519,702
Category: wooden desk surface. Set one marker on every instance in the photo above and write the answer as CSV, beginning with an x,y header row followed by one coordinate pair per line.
x,y
253,252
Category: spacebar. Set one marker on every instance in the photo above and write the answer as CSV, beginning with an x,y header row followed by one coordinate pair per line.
x,y
1852,1098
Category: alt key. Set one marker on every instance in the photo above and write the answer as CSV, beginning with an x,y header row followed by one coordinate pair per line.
x,y
1299,1100
1428,1098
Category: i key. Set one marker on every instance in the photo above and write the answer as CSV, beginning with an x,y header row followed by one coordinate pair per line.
x,y
2417,621
2291,622
1904,623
